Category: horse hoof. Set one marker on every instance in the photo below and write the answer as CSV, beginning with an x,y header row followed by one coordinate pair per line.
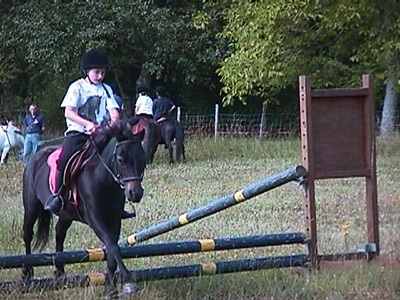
x,y
113,295
59,273
129,290
27,273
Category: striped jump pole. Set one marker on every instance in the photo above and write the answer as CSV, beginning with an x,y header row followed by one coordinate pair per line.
x,y
160,273
182,247
215,206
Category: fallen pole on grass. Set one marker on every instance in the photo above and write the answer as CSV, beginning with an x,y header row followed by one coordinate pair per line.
x,y
215,206
182,247
183,271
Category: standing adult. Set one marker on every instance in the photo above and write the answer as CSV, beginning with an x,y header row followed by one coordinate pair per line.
x,y
162,105
34,128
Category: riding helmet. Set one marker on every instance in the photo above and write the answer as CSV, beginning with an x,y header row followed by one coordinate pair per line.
x,y
142,89
161,91
94,59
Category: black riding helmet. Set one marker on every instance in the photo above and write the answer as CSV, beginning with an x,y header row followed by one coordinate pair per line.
x,y
94,59
142,89
161,90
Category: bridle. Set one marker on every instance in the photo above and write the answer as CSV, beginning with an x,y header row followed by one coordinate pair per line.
x,y
6,132
117,177
125,179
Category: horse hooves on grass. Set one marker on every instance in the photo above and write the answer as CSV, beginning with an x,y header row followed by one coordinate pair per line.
x,y
129,290
59,273
27,273
112,295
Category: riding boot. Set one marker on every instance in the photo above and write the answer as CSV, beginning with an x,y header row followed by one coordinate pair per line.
x,y
127,215
55,204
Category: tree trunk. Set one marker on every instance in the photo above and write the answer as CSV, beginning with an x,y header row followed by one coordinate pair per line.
x,y
387,128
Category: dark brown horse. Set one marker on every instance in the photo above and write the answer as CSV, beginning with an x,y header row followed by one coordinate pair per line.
x,y
151,136
113,172
172,129
164,133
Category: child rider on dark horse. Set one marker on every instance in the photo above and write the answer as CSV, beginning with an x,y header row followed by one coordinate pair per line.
x,y
86,104
162,105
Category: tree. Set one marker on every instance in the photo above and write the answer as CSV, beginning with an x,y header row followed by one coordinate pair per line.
x,y
41,46
334,42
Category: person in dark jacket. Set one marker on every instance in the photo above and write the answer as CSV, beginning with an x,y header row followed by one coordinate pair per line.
x,y
34,127
162,105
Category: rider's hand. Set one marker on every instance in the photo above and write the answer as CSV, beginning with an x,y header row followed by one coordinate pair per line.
x,y
92,129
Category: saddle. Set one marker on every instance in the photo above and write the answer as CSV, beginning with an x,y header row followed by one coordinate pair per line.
x,y
141,125
72,170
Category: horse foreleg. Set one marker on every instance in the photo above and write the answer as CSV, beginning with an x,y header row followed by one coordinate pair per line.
x,y
114,259
61,232
108,232
4,154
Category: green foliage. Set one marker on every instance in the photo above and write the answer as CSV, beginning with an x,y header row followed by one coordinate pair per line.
x,y
41,46
273,42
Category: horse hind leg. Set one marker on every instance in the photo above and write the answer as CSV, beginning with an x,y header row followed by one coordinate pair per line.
x,y
31,214
180,152
170,151
61,232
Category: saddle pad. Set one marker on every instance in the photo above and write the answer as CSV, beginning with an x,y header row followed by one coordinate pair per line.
x,y
52,161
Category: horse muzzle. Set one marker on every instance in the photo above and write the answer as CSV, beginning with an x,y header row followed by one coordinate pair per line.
x,y
133,191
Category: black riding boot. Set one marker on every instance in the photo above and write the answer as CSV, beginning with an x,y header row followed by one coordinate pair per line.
x,y
55,204
127,215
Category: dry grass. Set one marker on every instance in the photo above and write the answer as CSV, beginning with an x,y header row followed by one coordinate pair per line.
x,y
218,168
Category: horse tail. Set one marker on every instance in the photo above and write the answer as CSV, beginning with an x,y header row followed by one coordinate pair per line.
x,y
179,137
43,229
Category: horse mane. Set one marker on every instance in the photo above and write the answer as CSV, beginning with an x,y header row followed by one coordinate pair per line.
x,y
121,131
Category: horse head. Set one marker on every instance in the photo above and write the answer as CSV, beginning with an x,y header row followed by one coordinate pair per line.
x,y
131,161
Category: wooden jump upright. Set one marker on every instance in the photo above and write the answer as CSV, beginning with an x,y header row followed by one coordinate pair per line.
x,y
338,141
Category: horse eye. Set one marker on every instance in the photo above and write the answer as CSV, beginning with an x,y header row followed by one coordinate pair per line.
x,y
119,159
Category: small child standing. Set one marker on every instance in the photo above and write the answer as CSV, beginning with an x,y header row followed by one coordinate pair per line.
x,y
86,104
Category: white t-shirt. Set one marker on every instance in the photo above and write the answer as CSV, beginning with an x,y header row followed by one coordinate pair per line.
x,y
144,105
91,102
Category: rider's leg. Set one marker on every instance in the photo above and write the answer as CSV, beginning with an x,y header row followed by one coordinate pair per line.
x,y
72,143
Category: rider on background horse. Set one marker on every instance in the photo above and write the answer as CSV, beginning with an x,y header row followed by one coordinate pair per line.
x,y
86,104
162,105
144,104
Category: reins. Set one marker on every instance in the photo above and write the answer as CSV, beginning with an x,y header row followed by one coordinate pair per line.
x,y
117,178
6,132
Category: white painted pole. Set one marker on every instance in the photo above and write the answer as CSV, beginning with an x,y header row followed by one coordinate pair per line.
x,y
216,122
178,114
262,124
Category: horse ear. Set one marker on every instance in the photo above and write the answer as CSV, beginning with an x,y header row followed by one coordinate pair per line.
x,y
133,120
137,130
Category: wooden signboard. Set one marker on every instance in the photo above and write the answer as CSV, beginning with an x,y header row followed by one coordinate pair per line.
x,y
338,141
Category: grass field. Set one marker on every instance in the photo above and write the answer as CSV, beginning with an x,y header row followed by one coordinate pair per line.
x,y
214,169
